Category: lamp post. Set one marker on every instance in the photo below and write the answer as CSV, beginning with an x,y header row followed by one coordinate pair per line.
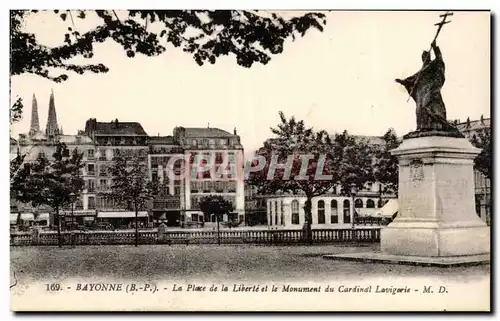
x,y
353,194
73,197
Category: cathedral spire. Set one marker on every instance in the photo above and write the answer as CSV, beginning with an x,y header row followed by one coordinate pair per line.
x,y
52,129
35,125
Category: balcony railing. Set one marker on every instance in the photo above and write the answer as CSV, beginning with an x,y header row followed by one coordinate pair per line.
x,y
172,202
91,173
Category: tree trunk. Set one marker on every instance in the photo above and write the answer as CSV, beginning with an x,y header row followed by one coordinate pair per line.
x,y
59,239
136,226
218,229
308,220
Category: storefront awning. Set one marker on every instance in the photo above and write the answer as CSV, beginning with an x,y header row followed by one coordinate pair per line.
x,y
43,217
121,214
24,217
389,209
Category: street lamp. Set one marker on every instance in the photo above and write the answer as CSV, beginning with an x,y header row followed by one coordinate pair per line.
x,y
73,198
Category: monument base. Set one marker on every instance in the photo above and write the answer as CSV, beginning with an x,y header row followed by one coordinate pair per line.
x,y
436,216
432,239
438,261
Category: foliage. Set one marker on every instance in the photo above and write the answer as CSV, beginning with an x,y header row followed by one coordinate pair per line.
x,y
354,158
48,182
386,165
130,186
215,204
16,111
205,34
483,161
343,161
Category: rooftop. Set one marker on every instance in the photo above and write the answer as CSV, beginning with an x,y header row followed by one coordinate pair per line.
x,y
166,140
474,125
114,127
193,132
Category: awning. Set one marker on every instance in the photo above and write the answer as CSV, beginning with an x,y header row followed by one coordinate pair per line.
x,y
24,217
43,217
121,214
389,209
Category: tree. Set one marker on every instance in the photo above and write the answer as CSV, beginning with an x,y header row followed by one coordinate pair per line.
x,y
317,163
482,162
158,190
217,205
251,36
49,182
130,186
386,168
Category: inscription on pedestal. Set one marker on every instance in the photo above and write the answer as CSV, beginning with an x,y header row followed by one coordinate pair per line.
x,y
416,170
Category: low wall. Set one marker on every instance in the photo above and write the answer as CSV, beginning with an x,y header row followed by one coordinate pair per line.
x,y
194,237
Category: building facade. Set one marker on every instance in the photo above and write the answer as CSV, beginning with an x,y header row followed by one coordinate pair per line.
x,y
110,140
473,130
177,200
328,211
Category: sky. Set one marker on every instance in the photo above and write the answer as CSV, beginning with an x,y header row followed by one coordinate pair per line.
x,y
341,78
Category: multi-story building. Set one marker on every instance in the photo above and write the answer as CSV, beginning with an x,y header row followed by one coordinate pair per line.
x,y
167,207
112,139
222,153
255,207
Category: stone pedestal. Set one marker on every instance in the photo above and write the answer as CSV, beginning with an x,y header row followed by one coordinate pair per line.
x,y
436,215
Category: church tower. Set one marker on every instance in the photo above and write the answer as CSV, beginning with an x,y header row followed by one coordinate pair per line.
x,y
35,125
52,129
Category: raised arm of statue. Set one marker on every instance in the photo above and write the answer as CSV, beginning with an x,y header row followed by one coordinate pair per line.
x,y
437,51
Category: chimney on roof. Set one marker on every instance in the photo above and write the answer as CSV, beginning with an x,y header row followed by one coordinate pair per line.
x,y
208,125
468,122
482,119
234,131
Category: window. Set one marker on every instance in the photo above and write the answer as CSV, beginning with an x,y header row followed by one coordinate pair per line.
x,y
295,212
358,203
90,153
91,169
370,203
276,213
79,204
194,142
282,213
103,183
91,186
334,215
91,203
194,217
347,211
321,212
213,218
379,203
